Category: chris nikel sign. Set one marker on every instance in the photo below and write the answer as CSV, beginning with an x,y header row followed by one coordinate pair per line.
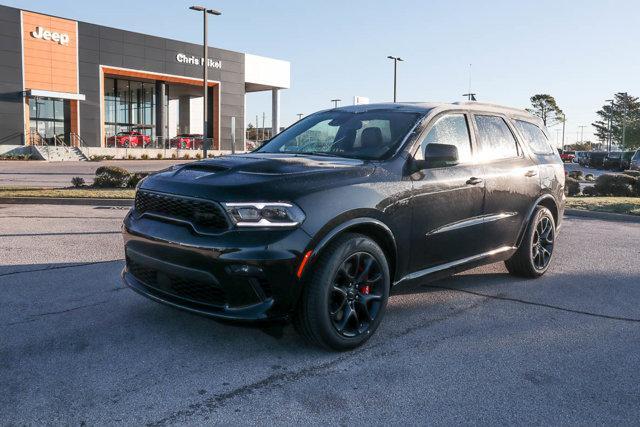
x,y
44,34
193,60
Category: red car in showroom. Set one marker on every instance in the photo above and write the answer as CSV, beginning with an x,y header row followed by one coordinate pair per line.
x,y
129,139
186,141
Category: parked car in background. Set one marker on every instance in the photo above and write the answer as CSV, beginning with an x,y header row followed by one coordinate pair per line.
x,y
580,157
329,216
129,139
186,141
635,162
625,160
612,160
568,156
595,159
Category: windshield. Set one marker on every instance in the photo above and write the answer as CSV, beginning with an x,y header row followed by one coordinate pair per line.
x,y
362,135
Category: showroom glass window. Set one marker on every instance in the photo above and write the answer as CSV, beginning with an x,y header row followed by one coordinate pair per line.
x,y
534,137
129,105
495,138
451,129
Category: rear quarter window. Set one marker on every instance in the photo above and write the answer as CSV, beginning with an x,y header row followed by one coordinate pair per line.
x,y
534,137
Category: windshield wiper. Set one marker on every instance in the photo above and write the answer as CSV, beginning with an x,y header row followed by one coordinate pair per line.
x,y
319,153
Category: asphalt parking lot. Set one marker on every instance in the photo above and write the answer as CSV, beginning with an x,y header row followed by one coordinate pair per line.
x,y
478,348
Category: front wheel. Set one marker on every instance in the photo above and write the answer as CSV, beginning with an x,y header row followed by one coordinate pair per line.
x,y
534,255
346,295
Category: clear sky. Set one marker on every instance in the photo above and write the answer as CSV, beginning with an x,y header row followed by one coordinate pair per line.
x,y
581,52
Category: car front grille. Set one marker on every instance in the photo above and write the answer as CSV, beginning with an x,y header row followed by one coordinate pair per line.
x,y
204,215
199,292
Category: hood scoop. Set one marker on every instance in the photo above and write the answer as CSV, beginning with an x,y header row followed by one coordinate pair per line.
x,y
198,171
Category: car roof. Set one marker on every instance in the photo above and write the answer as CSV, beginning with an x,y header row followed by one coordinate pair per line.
x,y
437,107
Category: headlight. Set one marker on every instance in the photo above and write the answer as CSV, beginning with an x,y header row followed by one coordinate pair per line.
x,y
265,214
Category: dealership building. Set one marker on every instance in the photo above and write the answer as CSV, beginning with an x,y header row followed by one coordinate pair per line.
x,y
83,83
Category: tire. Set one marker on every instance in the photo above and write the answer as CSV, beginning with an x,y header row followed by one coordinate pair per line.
x,y
533,257
323,307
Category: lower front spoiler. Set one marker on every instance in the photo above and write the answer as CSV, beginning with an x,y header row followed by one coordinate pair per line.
x,y
251,313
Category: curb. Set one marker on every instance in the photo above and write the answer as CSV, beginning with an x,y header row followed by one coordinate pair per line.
x,y
606,216
65,201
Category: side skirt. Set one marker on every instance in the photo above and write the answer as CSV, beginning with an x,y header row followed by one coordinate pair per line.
x,y
453,267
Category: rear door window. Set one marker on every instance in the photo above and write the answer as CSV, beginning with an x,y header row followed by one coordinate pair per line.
x,y
495,138
535,138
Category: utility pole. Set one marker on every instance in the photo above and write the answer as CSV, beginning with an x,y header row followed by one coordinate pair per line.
x,y
263,128
558,137
257,127
582,132
335,102
205,80
395,59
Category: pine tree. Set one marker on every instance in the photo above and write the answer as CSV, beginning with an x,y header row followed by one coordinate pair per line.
x,y
624,113
545,107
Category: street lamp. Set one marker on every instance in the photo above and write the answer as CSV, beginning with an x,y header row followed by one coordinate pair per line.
x,y
610,124
395,74
300,116
335,102
205,80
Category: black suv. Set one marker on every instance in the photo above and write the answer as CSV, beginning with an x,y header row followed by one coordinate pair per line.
x,y
321,223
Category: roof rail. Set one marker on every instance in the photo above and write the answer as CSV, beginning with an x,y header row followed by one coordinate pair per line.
x,y
488,104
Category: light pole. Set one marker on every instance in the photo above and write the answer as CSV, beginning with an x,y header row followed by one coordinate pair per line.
x,y
564,122
335,102
609,124
582,133
624,117
395,75
300,116
205,80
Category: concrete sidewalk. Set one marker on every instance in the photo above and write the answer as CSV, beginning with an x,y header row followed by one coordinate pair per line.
x,y
58,174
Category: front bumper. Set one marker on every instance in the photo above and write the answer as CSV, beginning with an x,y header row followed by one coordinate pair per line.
x,y
236,275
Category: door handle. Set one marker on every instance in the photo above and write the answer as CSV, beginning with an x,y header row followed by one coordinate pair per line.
x,y
531,173
474,181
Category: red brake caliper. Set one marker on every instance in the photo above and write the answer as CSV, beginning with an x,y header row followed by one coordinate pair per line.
x,y
364,289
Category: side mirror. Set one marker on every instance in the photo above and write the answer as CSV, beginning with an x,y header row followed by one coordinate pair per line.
x,y
438,156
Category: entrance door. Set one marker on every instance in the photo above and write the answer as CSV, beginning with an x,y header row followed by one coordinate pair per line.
x,y
49,119
447,201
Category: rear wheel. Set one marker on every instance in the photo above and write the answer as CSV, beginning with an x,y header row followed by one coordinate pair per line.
x,y
346,295
534,255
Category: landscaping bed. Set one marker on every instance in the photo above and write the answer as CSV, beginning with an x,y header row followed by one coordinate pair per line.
x,y
620,205
70,193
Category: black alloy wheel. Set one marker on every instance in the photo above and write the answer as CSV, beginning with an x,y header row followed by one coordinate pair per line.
x,y
355,296
542,243
534,255
345,293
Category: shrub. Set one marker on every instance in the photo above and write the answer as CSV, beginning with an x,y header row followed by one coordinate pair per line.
x,y
144,156
159,156
198,156
211,156
131,157
589,177
572,187
111,177
135,178
636,187
77,181
579,175
589,190
615,185
635,174
186,157
174,156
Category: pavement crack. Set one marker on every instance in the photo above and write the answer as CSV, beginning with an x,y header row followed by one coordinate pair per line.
x,y
537,304
219,400
59,267
34,317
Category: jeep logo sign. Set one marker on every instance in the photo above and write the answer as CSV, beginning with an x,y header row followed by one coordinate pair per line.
x,y
42,34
